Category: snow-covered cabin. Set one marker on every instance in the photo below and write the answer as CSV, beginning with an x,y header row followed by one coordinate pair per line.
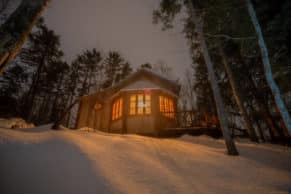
x,y
143,103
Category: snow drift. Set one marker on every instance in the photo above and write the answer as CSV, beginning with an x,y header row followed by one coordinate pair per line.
x,y
14,123
45,161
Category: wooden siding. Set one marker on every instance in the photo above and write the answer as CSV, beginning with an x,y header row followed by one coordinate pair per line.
x,y
141,124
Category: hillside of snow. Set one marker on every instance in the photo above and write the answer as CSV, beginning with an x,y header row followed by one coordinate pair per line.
x,y
40,160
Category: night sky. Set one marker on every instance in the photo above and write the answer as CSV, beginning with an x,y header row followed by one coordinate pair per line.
x,y
122,25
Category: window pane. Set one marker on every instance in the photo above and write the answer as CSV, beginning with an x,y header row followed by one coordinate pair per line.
x,y
167,107
132,110
147,104
116,109
147,97
132,98
162,106
120,107
113,111
140,104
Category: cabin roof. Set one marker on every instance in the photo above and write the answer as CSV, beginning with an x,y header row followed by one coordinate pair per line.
x,y
140,74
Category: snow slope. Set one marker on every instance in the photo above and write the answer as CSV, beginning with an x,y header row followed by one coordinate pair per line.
x,y
45,161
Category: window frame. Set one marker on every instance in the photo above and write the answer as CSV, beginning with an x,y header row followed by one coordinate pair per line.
x,y
140,97
167,106
117,109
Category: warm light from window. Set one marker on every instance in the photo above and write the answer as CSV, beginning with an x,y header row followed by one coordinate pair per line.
x,y
140,104
167,106
117,109
132,110
147,104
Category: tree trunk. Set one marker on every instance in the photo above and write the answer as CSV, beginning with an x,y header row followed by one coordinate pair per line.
x,y
32,90
237,97
273,127
231,148
16,29
260,130
265,112
56,106
282,110
257,121
59,120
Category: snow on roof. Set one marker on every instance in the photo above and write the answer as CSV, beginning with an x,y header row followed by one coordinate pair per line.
x,y
150,73
142,73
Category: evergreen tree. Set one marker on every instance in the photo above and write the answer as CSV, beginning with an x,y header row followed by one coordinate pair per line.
x,y
146,66
11,89
115,68
44,56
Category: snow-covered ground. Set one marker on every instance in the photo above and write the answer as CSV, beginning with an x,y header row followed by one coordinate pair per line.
x,y
40,161
14,123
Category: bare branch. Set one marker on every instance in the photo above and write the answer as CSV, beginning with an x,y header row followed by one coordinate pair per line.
x,y
229,37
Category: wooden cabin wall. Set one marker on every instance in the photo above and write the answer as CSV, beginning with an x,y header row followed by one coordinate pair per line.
x,y
116,126
139,124
106,116
91,111
98,119
83,113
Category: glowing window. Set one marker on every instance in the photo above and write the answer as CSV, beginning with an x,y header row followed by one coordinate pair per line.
x,y
117,109
167,107
140,104
147,104
132,110
162,105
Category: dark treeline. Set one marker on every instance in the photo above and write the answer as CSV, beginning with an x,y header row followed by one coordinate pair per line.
x,y
233,45
40,85
238,63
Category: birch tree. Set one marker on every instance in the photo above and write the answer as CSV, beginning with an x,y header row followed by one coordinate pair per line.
x,y
198,21
166,15
280,106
